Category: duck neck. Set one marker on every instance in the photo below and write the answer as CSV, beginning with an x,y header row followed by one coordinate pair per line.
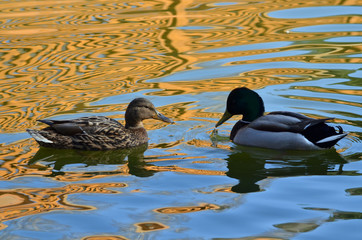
x,y
253,111
132,119
133,124
251,116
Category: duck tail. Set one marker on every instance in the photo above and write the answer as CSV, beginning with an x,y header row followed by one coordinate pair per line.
x,y
322,135
330,141
38,137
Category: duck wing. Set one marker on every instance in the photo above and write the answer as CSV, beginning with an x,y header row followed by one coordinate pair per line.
x,y
88,133
94,125
315,130
281,121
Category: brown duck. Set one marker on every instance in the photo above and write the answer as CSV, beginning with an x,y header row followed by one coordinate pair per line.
x,y
99,132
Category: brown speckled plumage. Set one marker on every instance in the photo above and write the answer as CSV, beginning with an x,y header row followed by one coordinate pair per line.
x,y
99,132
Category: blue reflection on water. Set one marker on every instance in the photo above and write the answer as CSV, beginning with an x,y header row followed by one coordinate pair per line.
x,y
215,69
347,39
316,12
330,28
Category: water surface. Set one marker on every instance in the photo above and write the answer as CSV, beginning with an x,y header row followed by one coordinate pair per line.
x,y
67,59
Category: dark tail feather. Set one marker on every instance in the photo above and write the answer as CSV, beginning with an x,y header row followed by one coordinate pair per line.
x,y
330,141
323,135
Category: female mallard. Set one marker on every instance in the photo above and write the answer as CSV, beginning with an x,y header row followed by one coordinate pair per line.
x,y
277,130
98,132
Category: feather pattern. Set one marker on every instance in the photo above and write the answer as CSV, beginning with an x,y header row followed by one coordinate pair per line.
x,y
99,132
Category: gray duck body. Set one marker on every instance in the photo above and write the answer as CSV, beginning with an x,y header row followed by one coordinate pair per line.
x,y
277,130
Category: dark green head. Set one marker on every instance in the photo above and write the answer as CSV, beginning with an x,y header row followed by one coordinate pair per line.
x,y
243,101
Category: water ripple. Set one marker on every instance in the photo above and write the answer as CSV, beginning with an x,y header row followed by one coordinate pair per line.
x,y
65,59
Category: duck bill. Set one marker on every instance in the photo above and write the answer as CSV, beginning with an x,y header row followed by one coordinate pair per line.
x,y
224,118
162,117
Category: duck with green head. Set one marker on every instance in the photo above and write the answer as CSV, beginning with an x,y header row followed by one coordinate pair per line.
x,y
99,132
276,130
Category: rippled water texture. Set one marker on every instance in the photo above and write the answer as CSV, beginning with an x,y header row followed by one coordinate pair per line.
x,y
72,58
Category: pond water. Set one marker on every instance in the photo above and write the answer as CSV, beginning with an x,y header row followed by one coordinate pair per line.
x,y
67,59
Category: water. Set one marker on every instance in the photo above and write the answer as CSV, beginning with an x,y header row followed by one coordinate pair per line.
x,y
67,59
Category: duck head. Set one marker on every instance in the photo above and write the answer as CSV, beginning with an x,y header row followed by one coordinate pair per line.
x,y
243,101
140,109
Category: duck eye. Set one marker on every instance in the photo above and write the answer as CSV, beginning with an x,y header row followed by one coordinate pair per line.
x,y
149,108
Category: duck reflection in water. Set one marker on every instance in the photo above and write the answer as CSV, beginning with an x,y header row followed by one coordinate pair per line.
x,y
250,165
59,158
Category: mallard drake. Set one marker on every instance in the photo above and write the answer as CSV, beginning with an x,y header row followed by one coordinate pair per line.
x,y
99,132
276,130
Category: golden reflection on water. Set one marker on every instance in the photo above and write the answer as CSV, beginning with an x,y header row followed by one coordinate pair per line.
x,y
56,59
186,170
105,238
16,157
21,162
150,226
22,202
187,209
